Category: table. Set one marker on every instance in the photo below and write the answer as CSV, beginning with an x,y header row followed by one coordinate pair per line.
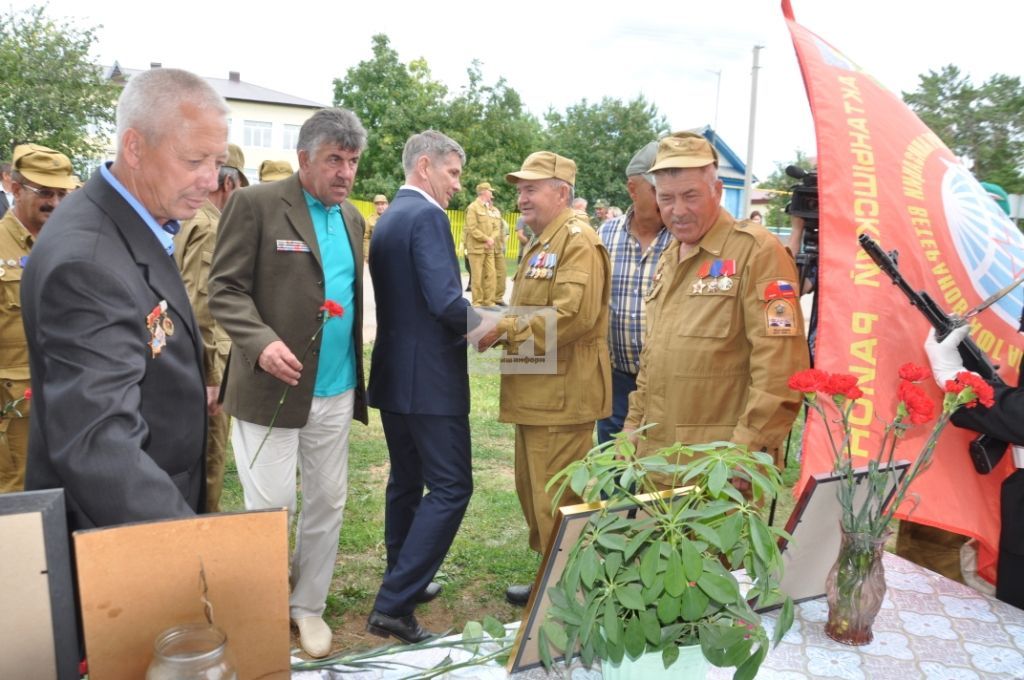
x,y
928,627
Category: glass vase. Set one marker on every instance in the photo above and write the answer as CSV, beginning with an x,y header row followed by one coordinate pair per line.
x,y
191,652
855,588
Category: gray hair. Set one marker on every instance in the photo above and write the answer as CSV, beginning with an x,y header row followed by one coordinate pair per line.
x,y
225,173
433,145
153,99
335,126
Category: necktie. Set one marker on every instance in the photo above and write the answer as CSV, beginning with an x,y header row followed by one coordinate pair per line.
x,y
172,227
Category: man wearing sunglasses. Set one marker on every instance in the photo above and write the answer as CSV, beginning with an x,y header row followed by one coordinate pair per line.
x,y
40,178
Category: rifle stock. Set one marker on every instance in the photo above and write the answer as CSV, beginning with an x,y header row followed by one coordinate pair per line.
x,y
985,451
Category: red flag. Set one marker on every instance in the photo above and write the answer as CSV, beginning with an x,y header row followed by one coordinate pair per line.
x,y
882,172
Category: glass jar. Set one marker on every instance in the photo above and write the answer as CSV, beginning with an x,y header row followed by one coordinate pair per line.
x,y
193,651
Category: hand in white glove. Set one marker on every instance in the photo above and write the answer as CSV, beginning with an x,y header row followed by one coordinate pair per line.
x,y
943,356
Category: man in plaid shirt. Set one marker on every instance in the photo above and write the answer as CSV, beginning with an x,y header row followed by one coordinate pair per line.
x,y
635,242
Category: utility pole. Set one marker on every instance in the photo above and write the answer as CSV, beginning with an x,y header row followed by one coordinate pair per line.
x,y
718,94
748,188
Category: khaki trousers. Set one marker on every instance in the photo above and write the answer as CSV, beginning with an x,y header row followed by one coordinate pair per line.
x,y
482,267
13,449
216,450
320,451
541,451
500,276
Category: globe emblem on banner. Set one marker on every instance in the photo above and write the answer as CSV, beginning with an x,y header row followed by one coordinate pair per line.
x,y
990,247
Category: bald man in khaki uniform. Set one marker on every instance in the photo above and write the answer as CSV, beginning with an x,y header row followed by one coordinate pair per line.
x,y
565,268
481,235
40,178
724,327
193,253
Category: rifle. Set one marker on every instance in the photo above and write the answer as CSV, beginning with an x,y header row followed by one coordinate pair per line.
x,y
985,451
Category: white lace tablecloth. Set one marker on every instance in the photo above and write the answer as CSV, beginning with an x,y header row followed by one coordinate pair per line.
x,y
929,627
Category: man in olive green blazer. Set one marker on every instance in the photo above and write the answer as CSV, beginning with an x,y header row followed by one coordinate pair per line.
x,y
283,250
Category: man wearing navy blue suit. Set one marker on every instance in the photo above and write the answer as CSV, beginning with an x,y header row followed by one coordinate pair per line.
x,y
418,380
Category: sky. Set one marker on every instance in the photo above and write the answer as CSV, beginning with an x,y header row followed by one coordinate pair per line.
x,y
692,60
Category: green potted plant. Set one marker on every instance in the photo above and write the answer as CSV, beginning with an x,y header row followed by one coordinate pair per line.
x,y
656,586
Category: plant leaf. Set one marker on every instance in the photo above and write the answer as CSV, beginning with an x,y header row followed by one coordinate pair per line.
x,y
612,541
634,639
612,624
669,655
717,479
748,669
784,622
719,588
668,609
555,635
650,561
707,533
651,625
630,597
579,479
693,563
761,538
494,627
693,604
590,566
675,576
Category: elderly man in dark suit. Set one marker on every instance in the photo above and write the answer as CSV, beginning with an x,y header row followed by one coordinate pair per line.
x,y
119,403
418,380
283,250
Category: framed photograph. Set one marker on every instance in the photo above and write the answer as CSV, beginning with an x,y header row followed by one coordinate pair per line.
x,y
38,633
814,526
569,524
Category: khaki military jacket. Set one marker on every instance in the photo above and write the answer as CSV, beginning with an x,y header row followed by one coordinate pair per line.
x,y
576,283
718,354
15,244
371,222
482,222
193,253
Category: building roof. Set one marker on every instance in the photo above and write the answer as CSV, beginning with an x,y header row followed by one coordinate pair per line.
x,y
231,88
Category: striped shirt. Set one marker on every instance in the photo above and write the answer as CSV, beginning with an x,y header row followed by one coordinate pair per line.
x,y
632,274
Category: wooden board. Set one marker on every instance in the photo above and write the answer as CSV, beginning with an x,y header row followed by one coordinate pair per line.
x,y
137,580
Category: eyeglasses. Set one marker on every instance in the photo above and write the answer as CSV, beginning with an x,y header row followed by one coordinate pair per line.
x,y
47,194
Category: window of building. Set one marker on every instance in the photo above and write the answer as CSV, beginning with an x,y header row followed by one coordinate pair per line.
x,y
257,133
291,136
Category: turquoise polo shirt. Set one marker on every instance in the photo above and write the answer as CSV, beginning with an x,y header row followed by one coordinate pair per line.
x,y
336,372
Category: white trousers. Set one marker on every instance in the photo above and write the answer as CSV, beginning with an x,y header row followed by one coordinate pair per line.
x,y
319,451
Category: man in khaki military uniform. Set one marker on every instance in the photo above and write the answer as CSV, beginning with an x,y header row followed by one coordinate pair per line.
x,y
380,204
724,328
480,234
193,253
40,178
500,269
566,268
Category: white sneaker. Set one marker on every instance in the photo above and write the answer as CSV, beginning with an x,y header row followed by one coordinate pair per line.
x,y
314,636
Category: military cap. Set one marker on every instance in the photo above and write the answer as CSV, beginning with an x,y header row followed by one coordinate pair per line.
x,y
684,150
44,166
380,198
271,171
642,161
545,165
601,203
483,186
236,160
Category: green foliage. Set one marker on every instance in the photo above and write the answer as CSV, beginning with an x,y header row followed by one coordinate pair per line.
x,y
51,92
602,138
781,184
983,123
662,577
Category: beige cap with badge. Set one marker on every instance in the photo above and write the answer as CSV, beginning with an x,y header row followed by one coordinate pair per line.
x,y
271,171
236,160
684,150
545,165
483,186
43,166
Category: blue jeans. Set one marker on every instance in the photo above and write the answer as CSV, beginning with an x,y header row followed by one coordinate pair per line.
x,y
622,384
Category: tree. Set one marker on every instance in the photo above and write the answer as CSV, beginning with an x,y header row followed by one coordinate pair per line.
x,y
780,185
984,124
51,93
497,133
393,101
602,138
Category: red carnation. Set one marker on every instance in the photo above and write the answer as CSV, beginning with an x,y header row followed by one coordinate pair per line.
x,y
983,392
843,384
332,308
808,380
28,394
914,373
920,408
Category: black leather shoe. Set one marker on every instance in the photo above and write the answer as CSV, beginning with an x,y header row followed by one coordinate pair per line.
x,y
405,628
432,590
518,595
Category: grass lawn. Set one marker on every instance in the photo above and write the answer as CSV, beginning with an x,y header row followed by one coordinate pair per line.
x,y
489,553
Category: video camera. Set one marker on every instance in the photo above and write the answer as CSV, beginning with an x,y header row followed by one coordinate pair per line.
x,y
804,203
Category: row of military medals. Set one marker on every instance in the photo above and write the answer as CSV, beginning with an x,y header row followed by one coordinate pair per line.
x,y
714,276
12,263
542,266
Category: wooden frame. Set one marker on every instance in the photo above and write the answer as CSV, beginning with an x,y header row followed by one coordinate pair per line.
x,y
38,632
